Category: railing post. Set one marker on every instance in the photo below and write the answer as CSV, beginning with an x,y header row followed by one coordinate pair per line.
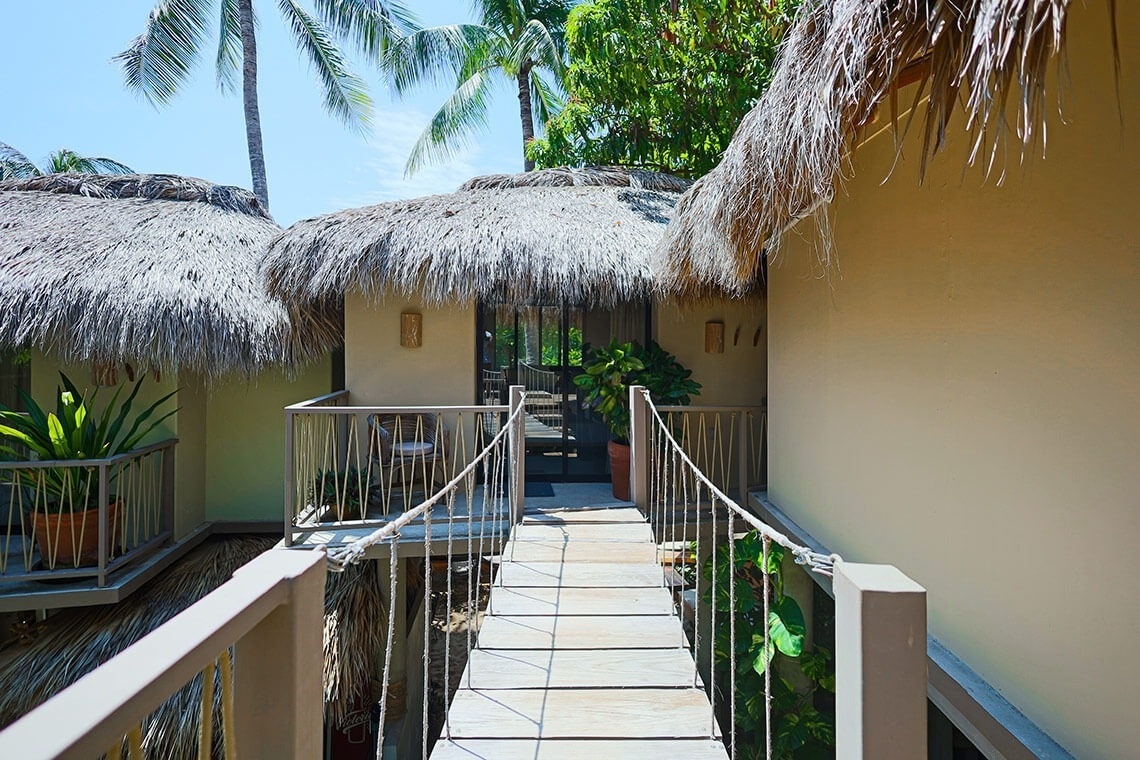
x,y
104,535
742,456
517,443
880,663
168,487
638,447
289,474
278,691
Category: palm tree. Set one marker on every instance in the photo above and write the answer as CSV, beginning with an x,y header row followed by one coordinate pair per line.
x,y
158,61
14,164
521,40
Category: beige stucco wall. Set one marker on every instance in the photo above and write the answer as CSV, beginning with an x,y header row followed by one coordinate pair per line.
x,y
737,377
960,397
245,440
379,371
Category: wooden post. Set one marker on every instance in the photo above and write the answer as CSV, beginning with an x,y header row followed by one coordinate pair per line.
x,y
278,690
742,460
289,475
517,444
638,447
880,663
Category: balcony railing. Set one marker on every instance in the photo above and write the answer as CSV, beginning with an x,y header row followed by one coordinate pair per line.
x,y
360,465
85,518
727,443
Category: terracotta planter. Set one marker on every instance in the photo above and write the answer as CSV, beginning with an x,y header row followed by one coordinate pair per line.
x,y
70,540
619,469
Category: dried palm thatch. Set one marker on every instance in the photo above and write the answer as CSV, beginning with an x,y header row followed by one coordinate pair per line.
x,y
576,235
355,622
79,640
154,270
841,60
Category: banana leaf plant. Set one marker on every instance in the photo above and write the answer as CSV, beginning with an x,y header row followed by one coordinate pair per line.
x,y
74,431
609,371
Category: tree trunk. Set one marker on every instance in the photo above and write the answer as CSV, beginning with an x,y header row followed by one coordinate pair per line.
x,y
249,100
526,113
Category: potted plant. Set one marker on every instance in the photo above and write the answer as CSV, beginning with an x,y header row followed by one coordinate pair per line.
x,y
65,509
607,374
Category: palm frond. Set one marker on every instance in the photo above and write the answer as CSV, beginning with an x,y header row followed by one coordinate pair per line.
x,y
14,164
537,45
228,61
370,25
158,61
545,99
464,110
433,54
346,95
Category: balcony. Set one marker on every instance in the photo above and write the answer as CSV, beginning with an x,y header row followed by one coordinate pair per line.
x,y
85,532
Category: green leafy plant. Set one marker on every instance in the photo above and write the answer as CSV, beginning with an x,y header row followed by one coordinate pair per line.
x,y
609,371
74,431
340,489
799,728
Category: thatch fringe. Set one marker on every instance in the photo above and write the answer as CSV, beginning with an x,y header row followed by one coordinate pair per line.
x,y
355,622
574,235
79,640
153,270
842,58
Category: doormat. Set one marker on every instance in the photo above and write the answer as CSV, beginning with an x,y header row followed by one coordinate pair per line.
x,y
538,489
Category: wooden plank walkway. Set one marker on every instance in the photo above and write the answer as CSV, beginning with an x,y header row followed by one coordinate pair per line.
x,y
580,654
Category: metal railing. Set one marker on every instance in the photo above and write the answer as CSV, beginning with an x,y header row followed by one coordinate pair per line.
x,y
727,443
270,613
85,518
357,465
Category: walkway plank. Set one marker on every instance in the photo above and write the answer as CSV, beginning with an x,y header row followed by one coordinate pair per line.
x,y
580,714
581,601
564,515
618,532
582,632
569,749
591,575
566,550
576,669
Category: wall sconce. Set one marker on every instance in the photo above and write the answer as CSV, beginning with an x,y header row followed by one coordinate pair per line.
x,y
411,330
714,337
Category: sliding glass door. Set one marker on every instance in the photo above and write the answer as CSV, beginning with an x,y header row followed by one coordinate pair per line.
x,y
540,347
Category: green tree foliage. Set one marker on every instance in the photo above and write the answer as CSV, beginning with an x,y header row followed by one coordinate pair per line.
x,y
661,84
158,61
14,164
521,41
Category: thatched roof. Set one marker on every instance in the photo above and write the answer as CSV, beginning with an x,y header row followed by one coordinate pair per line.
x,y
842,58
576,235
155,270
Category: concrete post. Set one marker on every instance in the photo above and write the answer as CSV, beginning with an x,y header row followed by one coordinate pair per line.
x,y
517,446
880,663
638,447
278,693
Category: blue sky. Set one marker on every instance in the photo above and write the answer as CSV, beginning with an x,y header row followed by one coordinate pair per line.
x,y
55,63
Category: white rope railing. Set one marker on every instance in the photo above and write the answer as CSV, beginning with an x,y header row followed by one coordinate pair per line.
x,y
341,557
676,484
815,561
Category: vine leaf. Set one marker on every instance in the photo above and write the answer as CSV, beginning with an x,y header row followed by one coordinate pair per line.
x,y
786,627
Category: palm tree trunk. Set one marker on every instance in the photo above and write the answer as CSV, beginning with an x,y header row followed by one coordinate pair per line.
x,y
526,113
249,98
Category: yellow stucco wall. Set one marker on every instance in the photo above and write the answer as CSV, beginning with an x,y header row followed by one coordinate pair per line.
x,y
245,440
737,377
961,397
379,371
